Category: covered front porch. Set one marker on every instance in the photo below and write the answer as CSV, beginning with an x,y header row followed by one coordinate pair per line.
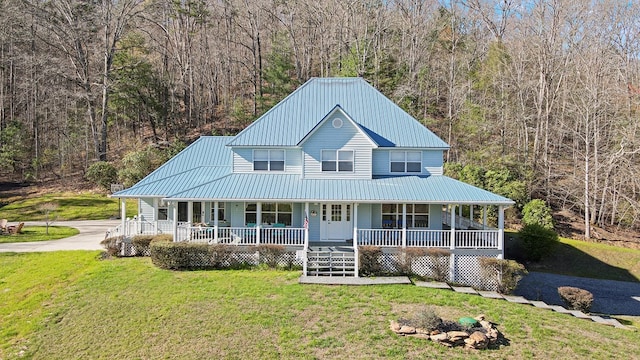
x,y
304,226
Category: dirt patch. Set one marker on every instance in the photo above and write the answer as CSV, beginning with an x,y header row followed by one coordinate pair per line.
x,y
571,226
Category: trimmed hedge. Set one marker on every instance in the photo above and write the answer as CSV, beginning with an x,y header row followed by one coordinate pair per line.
x,y
369,260
192,256
576,298
141,244
270,255
505,273
439,263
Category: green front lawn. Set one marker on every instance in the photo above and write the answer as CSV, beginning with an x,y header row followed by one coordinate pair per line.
x,y
71,305
70,206
39,233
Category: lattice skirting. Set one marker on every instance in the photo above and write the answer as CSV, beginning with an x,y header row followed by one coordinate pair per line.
x,y
461,267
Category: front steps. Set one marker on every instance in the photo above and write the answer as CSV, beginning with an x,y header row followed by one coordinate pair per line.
x,y
330,261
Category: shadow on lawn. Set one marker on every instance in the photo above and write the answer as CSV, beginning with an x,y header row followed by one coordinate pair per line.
x,y
568,260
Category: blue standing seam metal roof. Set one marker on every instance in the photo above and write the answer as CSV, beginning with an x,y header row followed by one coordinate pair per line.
x,y
294,117
434,189
205,159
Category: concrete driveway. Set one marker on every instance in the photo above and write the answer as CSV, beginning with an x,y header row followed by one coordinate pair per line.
x,y
609,296
91,233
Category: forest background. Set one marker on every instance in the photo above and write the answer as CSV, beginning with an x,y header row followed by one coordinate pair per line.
x,y
537,98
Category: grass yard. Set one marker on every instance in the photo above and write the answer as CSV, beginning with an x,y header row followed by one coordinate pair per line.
x,y
39,233
590,259
70,206
70,305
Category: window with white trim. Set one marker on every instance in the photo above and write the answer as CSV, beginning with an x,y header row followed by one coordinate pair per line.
x,y
417,216
220,212
405,161
163,210
268,160
272,213
337,160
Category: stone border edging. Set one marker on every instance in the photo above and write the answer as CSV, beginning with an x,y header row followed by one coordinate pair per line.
x,y
521,300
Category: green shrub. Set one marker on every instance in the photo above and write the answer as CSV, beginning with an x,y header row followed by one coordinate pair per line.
x,y
427,319
439,263
102,174
162,238
190,256
505,274
112,245
536,211
576,298
369,260
537,241
269,254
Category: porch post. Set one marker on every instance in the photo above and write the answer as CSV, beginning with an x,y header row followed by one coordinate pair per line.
x,y
501,231
404,225
174,205
216,207
305,221
258,221
356,264
123,215
190,212
452,243
484,217
155,214
471,213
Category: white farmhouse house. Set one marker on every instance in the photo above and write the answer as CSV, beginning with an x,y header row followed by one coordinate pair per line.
x,y
334,163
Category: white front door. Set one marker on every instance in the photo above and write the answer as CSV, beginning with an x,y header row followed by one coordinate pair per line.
x,y
336,223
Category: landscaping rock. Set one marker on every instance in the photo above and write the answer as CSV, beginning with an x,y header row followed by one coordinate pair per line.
x,y
395,326
440,337
420,336
407,330
477,340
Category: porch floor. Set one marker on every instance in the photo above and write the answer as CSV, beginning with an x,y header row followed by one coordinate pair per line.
x,y
350,280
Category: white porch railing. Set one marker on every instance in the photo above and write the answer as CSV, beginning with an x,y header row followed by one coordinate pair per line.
x,y
242,235
476,239
463,222
464,239
429,238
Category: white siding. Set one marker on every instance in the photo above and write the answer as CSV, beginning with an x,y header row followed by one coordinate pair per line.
x,y
431,162
348,137
146,210
243,161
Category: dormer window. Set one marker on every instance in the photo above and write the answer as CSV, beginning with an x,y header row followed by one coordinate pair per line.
x,y
268,160
406,161
337,160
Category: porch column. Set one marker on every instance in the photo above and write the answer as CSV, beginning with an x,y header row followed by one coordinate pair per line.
x,y
174,206
355,241
501,231
404,225
452,243
190,212
484,217
155,214
305,223
216,207
258,221
471,213
123,215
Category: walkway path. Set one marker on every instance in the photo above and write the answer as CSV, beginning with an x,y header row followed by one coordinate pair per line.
x,y
609,296
91,233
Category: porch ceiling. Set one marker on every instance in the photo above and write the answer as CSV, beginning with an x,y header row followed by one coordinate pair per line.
x,y
284,187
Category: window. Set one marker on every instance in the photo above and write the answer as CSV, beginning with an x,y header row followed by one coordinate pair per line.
x,y
406,161
337,160
271,213
221,216
268,160
417,216
163,210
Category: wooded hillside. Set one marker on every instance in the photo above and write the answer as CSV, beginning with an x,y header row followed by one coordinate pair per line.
x,y
546,91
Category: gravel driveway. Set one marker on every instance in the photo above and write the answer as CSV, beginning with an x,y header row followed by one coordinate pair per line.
x,y
91,233
609,296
